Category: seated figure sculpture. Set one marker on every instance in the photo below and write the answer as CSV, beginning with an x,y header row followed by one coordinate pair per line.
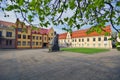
x,y
54,45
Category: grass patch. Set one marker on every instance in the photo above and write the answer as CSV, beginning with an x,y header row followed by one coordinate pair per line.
x,y
85,50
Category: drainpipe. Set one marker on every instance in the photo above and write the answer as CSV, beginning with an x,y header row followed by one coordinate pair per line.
x,y
16,38
31,39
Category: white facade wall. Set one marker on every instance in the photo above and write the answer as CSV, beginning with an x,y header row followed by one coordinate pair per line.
x,y
82,42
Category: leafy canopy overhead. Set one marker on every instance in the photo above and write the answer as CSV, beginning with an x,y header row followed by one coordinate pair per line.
x,y
85,12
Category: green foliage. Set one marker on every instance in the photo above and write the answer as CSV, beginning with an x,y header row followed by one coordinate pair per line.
x,y
12,7
85,12
72,4
119,34
118,46
30,18
35,28
118,3
20,2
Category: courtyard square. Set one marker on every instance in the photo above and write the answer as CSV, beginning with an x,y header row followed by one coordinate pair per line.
x,y
39,64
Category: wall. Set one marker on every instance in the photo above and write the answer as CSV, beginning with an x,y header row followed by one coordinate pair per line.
x,y
77,42
7,42
36,40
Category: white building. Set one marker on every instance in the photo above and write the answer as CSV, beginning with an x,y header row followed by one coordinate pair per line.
x,y
80,38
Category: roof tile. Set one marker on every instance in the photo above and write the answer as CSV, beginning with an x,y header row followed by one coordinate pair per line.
x,y
82,33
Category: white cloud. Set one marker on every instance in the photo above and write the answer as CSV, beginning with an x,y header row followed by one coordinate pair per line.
x,y
11,17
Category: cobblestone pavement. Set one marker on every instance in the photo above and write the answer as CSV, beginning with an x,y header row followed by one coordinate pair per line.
x,y
39,64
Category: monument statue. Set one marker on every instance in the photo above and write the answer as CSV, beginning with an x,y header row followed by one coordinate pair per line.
x,y
54,45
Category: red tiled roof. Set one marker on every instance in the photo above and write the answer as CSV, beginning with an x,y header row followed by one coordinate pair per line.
x,y
62,36
8,24
41,31
82,33
44,31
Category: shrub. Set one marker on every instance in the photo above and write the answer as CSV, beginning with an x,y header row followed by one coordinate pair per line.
x,y
118,46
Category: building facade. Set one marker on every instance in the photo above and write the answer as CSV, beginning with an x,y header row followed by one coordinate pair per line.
x,y
7,37
24,36
81,39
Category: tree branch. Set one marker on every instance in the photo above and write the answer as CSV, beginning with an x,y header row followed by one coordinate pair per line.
x,y
61,11
111,16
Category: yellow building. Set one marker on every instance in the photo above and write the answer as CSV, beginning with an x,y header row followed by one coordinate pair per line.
x,y
7,35
26,37
46,36
36,39
81,39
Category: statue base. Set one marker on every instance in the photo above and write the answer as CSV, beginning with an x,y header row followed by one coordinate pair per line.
x,y
54,49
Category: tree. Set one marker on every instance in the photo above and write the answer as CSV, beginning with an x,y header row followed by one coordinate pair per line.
x,y
85,12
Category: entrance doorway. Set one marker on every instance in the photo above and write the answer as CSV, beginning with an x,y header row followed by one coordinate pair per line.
x,y
44,45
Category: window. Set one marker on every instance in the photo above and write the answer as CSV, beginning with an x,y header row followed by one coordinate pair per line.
x,y
83,45
24,43
48,38
94,45
51,34
9,34
36,37
24,36
0,33
0,41
99,44
93,39
87,44
40,38
33,37
99,39
28,43
8,42
19,36
82,40
79,40
18,43
40,43
105,45
45,38
88,39
68,40
19,29
105,38
36,43
33,43
29,36
75,40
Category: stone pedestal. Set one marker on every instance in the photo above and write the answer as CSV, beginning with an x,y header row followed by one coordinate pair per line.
x,y
54,46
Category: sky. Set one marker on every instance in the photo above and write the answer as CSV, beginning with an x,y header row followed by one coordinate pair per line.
x,y
58,29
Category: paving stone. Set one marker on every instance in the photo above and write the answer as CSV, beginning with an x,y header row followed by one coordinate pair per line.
x,y
39,64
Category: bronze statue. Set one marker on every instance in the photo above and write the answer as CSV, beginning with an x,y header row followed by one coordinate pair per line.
x,y
54,45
